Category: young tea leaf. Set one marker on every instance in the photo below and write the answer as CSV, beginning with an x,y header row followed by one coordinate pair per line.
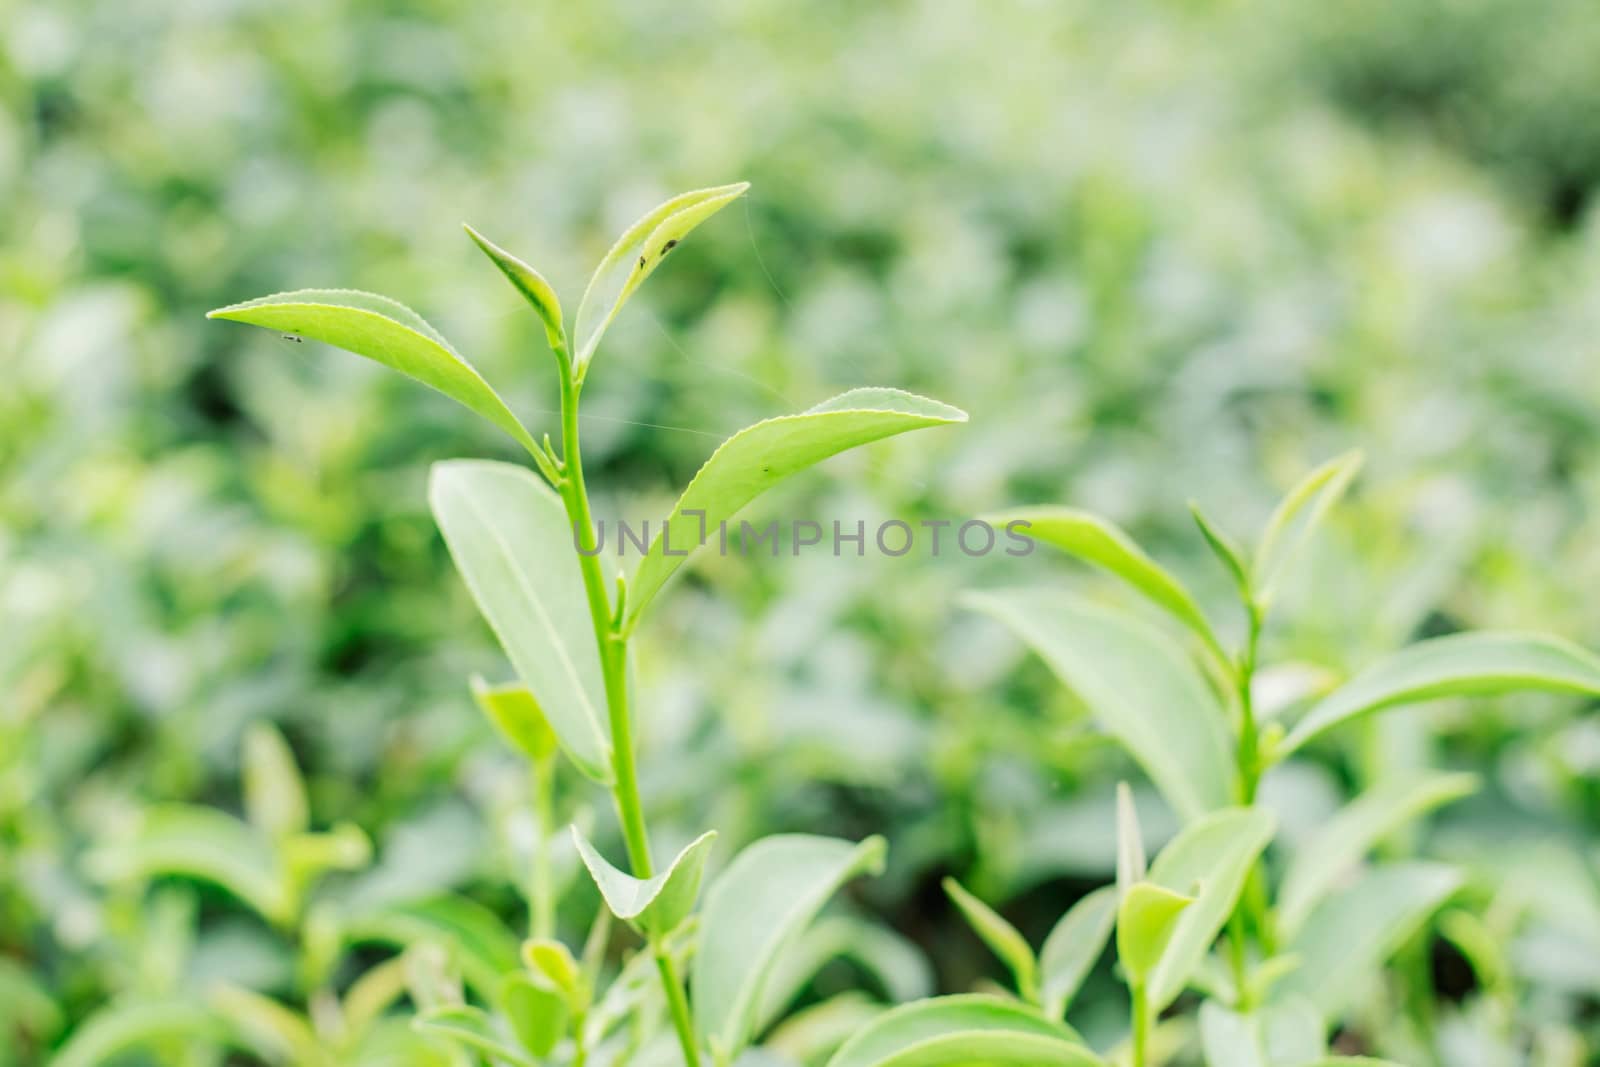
x,y
538,1015
1072,948
507,532
636,255
1104,544
516,715
1298,516
1130,841
1223,547
274,792
471,1028
1467,664
475,941
1001,937
655,905
1350,934
1339,844
960,1031
1210,859
753,913
758,457
1147,919
530,283
1136,683
385,331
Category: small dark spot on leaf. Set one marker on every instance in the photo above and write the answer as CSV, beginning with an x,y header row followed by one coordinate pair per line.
x,y
641,262
669,246
292,337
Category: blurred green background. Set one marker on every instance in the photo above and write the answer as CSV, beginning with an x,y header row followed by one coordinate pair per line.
x,y
1159,251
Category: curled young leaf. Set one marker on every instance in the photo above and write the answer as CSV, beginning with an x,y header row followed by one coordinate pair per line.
x,y
516,715
1102,543
1002,938
1467,664
655,905
758,457
530,283
1147,918
636,255
507,532
385,331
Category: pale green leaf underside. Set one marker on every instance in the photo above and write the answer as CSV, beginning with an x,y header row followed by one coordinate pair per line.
x,y
1469,664
758,457
656,904
508,534
1102,543
1351,933
963,1030
1139,687
1072,948
1214,854
768,895
1130,841
896,964
1002,938
131,1024
1343,840
636,255
385,331
1285,1032
472,1028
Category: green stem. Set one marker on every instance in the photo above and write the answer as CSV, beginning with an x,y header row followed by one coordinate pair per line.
x,y
1249,761
613,645
541,898
1141,1024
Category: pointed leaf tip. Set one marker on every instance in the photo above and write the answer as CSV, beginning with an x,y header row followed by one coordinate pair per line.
x,y
527,281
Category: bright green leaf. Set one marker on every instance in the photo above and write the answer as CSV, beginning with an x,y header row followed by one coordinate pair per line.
x,y
1467,664
754,911
1351,933
655,905
537,1014
960,1031
1104,544
1214,854
527,281
516,715
758,457
1147,918
509,537
274,792
131,1024
1072,948
1001,937
636,255
471,1028
1341,842
385,331
1298,516
1136,683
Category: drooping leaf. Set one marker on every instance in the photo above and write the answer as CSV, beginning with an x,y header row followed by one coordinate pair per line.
x,y
754,911
274,792
1297,517
758,457
508,534
1130,841
1351,933
1341,842
1102,543
202,843
1209,858
962,1030
268,1028
1072,948
131,1024
385,331
1147,919
1468,664
636,255
1001,937
655,905
538,1015
896,964
472,1028
527,281
516,715
1137,684
473,937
